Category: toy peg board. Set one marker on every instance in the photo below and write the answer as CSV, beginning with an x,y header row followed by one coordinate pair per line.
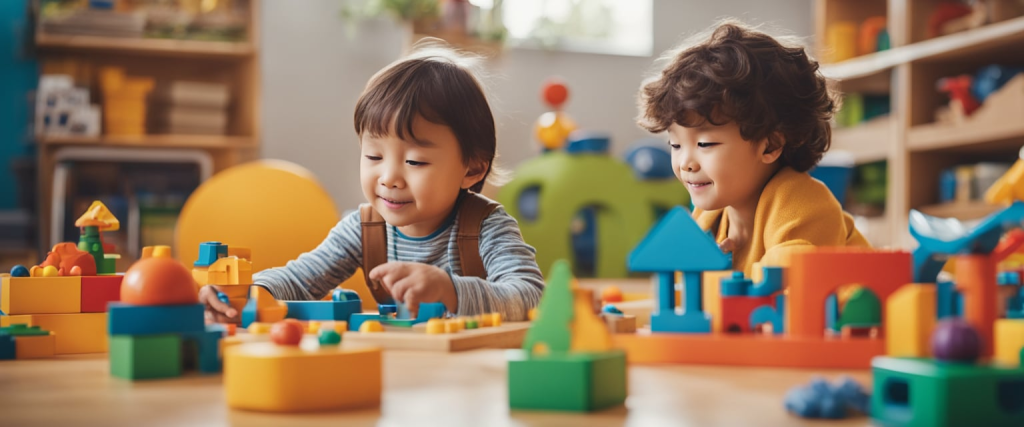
x,y
508,335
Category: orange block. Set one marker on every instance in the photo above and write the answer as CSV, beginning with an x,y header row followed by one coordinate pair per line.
x,y
976,280
35,347
814,275
749,350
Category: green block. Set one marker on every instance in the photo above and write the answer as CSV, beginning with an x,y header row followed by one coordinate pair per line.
x,y
924,392
863,309
23,330
578,382
554,313
139,357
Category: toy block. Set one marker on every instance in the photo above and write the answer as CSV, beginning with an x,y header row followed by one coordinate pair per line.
x,y
976,281
771,282
677,243
579,382
550,331
924,392
712,292
8,349
235,291
202,349
276,378
41,295
814,275
323,310
260,298
108,265
228,271
125,319
774,316
272,314
240,252
1009,335
35,346
619,323
97,291
589,333
692,319
140,357
735,286
749,350
861,309
910,319
23,329
736,312
209,253
76,333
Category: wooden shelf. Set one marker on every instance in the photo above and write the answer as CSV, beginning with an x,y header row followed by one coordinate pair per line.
x,y
157,141
166,47
1006,34
867,142
996,123
963,210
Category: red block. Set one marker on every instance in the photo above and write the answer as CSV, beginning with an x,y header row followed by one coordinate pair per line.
x,y
736,312
97,291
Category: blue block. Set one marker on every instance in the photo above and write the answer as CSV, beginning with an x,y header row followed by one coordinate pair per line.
x,y
126,319
339,294
771,282
7,347
322,310
209,252
735,286
430,310
588,142
249,313
357,319
1005,278
767,314
223,298
677,243
692,323
831,312
207,348
385,309
402,311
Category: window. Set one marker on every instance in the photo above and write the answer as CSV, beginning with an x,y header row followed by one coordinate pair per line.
x,y
618,27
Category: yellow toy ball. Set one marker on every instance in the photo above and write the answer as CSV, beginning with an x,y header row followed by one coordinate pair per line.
x,y
371,326
553,128
50,271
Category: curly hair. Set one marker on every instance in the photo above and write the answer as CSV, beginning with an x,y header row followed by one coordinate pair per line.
x,y
770,89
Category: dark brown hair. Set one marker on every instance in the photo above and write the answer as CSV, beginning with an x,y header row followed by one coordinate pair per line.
x,y
436,83
769,89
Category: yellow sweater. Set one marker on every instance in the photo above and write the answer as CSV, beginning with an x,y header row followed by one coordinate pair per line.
x,y
795,212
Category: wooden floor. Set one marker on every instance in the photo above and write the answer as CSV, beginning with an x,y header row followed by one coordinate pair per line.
x,y
420,388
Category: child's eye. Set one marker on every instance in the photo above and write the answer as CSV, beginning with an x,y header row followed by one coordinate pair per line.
x,y
415,163
374,158
674,146
707,144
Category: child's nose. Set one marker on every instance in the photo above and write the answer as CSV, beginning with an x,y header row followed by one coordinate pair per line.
x,y
390,178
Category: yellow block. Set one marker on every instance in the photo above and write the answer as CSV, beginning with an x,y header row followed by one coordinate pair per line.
x,y
713,297
1009,340
41,295
76,333
909,320
35,347
229,271
269,377
589,333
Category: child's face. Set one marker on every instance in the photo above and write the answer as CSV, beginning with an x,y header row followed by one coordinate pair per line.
x,y
719,167
414,184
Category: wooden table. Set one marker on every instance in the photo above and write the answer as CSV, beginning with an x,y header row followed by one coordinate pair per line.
x,y
420,388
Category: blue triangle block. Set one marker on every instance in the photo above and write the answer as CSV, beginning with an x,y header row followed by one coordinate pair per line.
x,y
676,243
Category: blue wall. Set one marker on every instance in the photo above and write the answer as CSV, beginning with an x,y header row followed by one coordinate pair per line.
x,y
18,76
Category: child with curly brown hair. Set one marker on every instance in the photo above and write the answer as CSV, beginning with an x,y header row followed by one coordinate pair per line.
x,y
747,116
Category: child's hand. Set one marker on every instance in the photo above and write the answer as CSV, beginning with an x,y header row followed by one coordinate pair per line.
x,y
412,283
216,310
727,245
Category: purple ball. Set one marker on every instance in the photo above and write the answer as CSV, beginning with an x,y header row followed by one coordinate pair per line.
x,y
955,340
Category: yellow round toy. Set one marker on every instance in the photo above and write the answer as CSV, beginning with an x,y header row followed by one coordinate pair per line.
x,y
553,128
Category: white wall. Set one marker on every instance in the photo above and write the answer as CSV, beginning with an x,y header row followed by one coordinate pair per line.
x,y
313,72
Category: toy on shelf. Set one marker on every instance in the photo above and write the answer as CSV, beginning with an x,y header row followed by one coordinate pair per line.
x,y
567,362
158,327
997,86
124,102
581,204
553,127
291,374
64,294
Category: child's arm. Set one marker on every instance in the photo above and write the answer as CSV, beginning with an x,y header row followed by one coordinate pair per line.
x,y
315,273
514,282
804,222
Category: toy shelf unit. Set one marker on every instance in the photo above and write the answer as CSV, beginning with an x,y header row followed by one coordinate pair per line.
x,y
138,81
923,141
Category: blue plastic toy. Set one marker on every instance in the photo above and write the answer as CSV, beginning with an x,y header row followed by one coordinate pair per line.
x,y
588,142
650,161
939,237
19,271
819,399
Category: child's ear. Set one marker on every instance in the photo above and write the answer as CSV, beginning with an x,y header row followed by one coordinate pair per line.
x,y
771,148
474,174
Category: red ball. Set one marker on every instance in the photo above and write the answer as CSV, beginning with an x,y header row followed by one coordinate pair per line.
x,y
611,294
955,340
287,332
158,281
554,93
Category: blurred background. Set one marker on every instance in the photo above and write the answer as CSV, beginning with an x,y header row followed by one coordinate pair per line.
x,y
138,102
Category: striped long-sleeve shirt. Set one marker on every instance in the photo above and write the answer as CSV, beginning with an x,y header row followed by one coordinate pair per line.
x,y
513,285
